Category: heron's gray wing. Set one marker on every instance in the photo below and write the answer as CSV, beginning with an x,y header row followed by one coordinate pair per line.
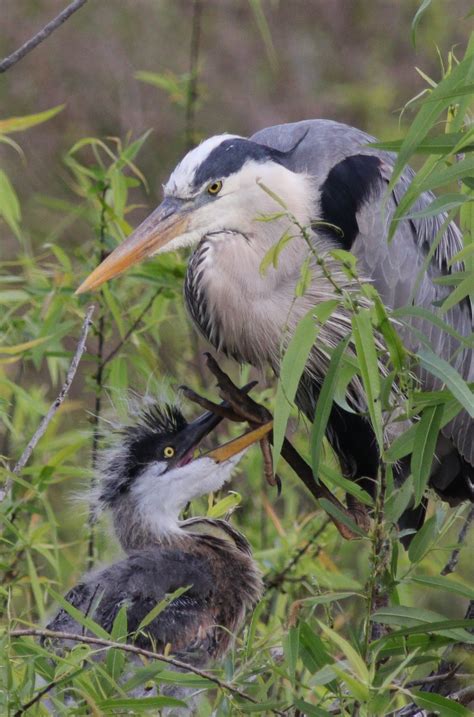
x,y
351,180
81,596
139,583
406,273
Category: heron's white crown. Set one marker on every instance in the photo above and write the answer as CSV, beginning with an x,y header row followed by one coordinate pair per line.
x,y
180,182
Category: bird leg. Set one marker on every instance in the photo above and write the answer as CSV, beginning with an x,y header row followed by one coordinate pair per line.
x,y
222,410
247,409
359,512
225,410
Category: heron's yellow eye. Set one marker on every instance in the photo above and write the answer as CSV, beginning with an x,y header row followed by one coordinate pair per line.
x,y
168,452
215,187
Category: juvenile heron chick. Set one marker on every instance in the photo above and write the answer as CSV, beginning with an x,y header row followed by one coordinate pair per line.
x,y
146,481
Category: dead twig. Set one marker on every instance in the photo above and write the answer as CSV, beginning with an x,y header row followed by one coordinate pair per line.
x,y
282,576
130,331
451,565
192,89
98,382
46,420
101,642
44,691
41,36
434,678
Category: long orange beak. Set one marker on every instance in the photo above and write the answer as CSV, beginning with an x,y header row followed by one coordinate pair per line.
x,y
231,448
167,222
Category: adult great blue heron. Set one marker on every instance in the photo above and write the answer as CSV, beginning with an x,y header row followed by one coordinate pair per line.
x,y
146,481
322,170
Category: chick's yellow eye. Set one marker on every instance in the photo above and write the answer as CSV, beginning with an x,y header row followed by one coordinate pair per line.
x,y
215,187
168,452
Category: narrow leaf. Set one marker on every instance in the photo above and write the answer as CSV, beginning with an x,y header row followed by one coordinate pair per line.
x,y
162,605
441,582
437,704
424,446
19,124
423,540
82,619
449,376
353,657
368,363
292,367
324,404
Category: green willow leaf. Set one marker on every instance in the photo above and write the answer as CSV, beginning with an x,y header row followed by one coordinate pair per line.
x,y
368,362
440,582
440,368
465,288
292,367
437,704
430,111
82,619
424,446
440,204
162,605
324,404
139,704
423,540
441,144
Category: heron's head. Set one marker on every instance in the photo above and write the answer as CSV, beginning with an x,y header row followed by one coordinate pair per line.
x,y
150,474
220,188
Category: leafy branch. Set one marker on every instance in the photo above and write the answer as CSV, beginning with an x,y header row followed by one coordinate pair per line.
x,y
102,642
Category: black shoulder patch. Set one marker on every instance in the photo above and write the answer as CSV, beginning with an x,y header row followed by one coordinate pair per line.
x,y
348,185
230,156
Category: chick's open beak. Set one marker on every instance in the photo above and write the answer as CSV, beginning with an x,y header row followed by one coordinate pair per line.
x,y
168,221
231,448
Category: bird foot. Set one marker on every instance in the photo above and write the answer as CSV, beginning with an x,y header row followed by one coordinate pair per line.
x,y
239,406
358,512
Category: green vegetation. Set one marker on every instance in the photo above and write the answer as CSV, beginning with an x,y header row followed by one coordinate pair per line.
x,y
323,641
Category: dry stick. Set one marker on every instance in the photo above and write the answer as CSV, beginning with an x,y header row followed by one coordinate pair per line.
x,y
86,639
40,36
44,691
372,629
46,420
192,93
132,328
98,388
281,577
451,565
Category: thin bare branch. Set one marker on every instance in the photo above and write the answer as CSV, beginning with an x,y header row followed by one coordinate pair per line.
x,y
451,565
132,328
276,580
44,691
46,420
192,89
98,378
41,36
101,642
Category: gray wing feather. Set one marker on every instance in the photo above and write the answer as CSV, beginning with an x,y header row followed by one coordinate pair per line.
x,y
140,582
395,268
